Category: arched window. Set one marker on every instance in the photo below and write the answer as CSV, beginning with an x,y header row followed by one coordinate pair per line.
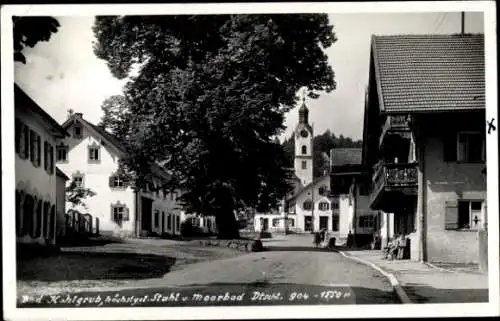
x,y
324,206
304,149
307,205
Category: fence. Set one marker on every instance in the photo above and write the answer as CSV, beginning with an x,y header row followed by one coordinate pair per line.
x,y
81,223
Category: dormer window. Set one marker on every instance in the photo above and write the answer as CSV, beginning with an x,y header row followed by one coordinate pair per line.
x,y
77,131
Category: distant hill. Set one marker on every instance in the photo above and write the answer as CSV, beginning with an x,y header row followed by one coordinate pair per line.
x,y
321,144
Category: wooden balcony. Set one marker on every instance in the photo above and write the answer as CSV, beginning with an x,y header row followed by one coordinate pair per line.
x,y
395,124
392,185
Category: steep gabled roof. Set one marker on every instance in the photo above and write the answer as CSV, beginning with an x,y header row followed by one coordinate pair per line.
x,y
22,100
423,73
110,138
346,156
314,182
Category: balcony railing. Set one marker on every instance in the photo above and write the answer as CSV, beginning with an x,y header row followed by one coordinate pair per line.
x,y
394,177
397,123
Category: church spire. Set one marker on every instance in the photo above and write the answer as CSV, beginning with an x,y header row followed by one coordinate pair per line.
x,y
303,111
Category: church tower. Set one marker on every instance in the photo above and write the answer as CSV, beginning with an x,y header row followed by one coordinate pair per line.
x,y
303,160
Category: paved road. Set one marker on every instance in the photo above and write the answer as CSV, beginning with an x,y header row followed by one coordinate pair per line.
x,y
289,272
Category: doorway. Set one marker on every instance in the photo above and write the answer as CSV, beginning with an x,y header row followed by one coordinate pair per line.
x,y
323,222
308,223
265,224
146,213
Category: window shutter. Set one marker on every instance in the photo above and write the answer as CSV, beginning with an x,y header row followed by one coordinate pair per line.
x,y
39,146
45,156
26,142
451,215
112,212
125,214
111,180
450,146
18,135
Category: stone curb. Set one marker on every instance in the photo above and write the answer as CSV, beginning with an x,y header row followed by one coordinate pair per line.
x,y
438,268
396,286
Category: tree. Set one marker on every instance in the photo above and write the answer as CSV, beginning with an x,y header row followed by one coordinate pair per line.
x,y
210,98
76,194
28,31
116,116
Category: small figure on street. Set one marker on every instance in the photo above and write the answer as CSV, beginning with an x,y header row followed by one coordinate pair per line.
x,y
316,239
349,239
391,249
401,246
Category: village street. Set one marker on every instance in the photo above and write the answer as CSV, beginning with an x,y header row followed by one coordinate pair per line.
x,y
289,271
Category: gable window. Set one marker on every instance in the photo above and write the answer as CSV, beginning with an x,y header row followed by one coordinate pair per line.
x,y
307,205
470,147
119,213
304,164
62,153
94,155
78,131
324,206
304,149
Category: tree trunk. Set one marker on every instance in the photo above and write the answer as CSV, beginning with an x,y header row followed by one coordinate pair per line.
x,y
227,225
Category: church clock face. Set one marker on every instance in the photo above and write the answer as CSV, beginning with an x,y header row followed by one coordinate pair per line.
x,y
303,133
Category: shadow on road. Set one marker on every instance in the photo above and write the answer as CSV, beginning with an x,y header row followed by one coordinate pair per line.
x,y
419,293
296,248
67,266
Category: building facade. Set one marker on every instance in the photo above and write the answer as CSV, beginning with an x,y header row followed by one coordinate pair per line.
x,y
424,142
36,135
90,158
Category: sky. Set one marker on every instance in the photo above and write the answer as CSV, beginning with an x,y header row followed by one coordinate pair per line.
x,y
64,73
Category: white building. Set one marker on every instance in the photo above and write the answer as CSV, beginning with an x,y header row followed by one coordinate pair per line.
x,y
90,156
36,134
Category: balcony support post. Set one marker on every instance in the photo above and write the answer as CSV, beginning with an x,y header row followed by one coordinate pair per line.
x,y
421,203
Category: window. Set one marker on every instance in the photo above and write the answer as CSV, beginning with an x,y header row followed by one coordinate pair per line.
x,y
48,158
78,178
291,222
34,148
304,149
307,205
323,190
464,214
26,139
78,132
335,205
469,214
94,154
335,222
470,147
119,213
324,206
366,221
62,153
117,181
276,222
304,164
177,223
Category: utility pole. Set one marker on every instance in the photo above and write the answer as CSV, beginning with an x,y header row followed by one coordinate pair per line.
x,y
463,23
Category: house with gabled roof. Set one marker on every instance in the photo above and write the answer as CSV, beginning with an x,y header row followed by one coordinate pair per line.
x,y
90,157
424,142
349,184
37,178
